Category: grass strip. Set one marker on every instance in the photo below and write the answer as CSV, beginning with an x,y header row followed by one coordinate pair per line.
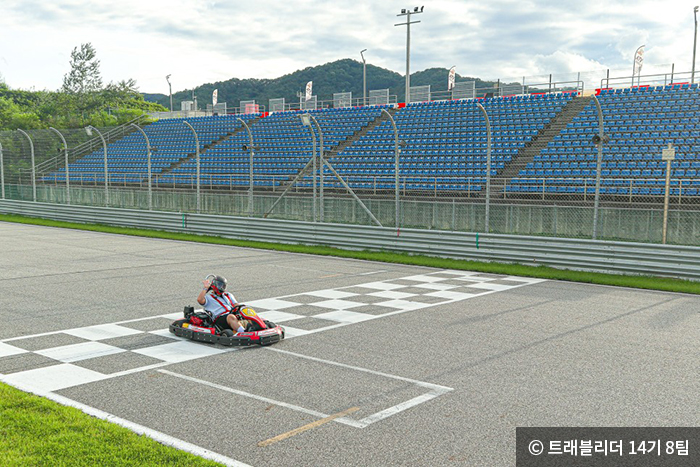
x,y
35,431
544,272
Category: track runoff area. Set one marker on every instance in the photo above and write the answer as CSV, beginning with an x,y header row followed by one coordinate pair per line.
x,y
382,365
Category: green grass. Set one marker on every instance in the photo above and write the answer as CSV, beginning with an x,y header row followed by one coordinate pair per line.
x,y
38,432
544,272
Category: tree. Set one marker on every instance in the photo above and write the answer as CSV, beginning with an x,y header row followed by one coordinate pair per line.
x,y
84,75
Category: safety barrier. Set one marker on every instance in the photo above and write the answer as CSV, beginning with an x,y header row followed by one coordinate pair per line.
x,y
565,253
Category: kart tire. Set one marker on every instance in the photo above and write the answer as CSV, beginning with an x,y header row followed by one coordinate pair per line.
x,y
180,322
227,333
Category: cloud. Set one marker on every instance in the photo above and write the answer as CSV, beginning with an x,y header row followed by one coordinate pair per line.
x,y
206,41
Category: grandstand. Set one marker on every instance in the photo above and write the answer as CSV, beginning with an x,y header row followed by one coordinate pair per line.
x,y
541,145
446,142
641,122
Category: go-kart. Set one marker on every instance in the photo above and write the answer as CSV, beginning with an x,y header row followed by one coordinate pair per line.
x,y
198,325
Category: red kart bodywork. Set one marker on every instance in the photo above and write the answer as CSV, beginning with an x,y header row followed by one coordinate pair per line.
x,y
198,327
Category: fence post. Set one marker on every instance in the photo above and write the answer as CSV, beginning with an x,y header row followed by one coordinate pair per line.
x,y
600,141
2,173
31,146
65,147
488,166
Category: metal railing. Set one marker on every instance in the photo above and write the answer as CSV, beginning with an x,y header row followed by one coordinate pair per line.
x,y
590,255
659,79
436,205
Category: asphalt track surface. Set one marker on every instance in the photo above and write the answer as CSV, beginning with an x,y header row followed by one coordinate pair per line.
x,y
441,382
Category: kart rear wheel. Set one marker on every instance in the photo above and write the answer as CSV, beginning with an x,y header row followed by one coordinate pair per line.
x,y
227,333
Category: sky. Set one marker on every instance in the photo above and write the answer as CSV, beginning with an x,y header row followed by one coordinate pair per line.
x,y
199,42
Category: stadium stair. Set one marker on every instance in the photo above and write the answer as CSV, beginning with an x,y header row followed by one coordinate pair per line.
x,y
347,143
540,141
191,157
362,132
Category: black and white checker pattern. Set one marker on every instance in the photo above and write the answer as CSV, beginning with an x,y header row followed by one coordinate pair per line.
x,y
62,359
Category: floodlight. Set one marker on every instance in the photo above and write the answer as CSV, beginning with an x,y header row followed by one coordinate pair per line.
x,y
403,11
415,10
305,119
421,9
597,139
88,130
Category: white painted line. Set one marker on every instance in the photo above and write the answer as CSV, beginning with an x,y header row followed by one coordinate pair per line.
x,y
102,331
331,293
53,378
386,413
456,296
425,278
42,334
364,370
279,316
438,286
344,316
494,287
290,332
338,304
7,350
391,294
272,304
381,285
76,352
139,369
180,351
403,305
165,333
435,391
267,400
162,438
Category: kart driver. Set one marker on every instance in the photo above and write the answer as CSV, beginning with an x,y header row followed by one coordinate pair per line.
x,y
219,304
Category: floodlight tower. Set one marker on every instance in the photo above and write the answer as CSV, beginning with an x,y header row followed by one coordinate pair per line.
x,y
695,43
407,13
170,87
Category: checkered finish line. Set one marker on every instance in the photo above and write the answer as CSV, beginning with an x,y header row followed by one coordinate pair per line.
x,y
48,362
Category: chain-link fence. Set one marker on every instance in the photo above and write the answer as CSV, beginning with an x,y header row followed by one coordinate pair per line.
x,y
634,202
637,214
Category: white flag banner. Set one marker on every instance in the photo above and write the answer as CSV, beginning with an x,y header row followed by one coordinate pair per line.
x,y
215,97
638,61
309,85
451,79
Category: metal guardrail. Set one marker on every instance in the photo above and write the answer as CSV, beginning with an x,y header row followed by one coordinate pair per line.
x,y
589,255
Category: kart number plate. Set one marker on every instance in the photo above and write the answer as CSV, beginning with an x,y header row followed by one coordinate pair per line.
x,y
249,312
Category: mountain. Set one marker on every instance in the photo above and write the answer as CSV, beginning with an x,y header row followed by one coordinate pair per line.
x,y
339,76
